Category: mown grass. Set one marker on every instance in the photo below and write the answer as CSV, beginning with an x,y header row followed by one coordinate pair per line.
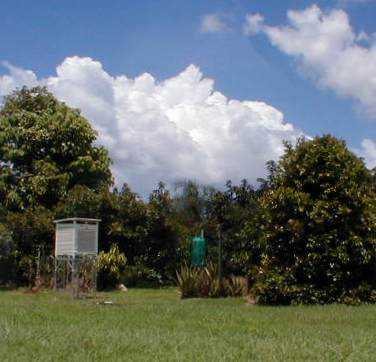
x,y
155,325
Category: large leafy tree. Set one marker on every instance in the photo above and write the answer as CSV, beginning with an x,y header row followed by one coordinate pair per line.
x,y
319,226
130,223
46,148
233,212
164,247
7,256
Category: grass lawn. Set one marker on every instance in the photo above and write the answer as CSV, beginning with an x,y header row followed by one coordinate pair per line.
x,y
145,325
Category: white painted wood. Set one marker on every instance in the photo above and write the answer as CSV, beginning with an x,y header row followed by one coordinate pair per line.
x,y
96,238
65,239
76,236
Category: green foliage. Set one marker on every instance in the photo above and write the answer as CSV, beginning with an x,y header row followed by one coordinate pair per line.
x,y
281,287
234,212
46,148
26,270
110,267
318,225
7,256
81,201
141,276
31,229
130,223
163,243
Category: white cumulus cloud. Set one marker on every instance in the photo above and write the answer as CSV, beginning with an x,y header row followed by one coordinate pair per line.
x,y
213,23
167,130
254,23
326,47
368,152
17,77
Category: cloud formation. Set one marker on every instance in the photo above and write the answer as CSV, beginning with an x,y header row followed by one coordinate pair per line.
x,y
178,128
168,130
368,152
212,23
16,77
328,50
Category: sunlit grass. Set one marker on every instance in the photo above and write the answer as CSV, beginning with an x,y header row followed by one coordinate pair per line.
x,y
156,325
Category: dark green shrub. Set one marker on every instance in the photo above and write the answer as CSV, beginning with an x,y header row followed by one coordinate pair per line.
x,y
142,277
318,227
7,257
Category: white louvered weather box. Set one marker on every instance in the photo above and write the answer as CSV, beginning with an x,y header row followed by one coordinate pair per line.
x,y
76,237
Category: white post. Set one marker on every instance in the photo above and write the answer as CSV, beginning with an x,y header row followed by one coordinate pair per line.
x,y
96,237
75,243
56,227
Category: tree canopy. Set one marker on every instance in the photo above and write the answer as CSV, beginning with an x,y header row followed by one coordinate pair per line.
x,y
46,148
319,225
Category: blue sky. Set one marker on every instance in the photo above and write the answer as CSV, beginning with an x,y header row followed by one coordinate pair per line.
x,y
163,37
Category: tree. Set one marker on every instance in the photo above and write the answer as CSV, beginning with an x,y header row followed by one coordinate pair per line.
x,y
32,229
318,226
165,246
46,148
129,228
7,256
233,211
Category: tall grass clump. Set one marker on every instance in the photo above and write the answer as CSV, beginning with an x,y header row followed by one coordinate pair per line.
x,y
196,282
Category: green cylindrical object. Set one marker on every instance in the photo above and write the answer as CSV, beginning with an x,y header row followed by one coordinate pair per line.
x,y
198,251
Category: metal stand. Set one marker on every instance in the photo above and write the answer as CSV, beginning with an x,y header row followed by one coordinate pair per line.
x,y
77,273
